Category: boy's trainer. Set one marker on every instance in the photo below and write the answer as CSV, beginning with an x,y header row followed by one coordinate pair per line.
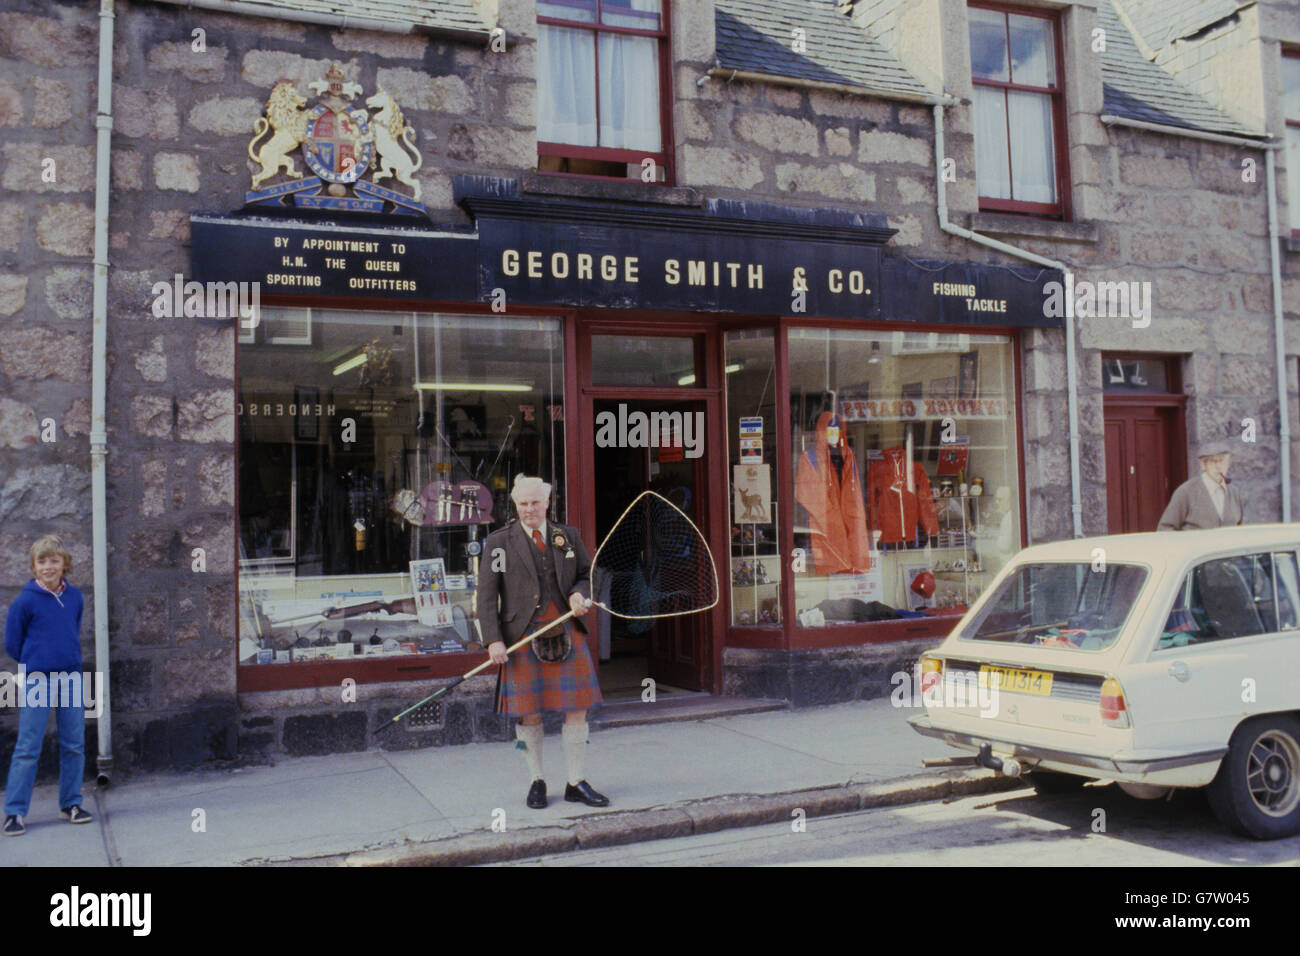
x,y
14,826
76,815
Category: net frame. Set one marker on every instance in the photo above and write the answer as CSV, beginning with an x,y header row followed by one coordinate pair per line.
x,y
707,553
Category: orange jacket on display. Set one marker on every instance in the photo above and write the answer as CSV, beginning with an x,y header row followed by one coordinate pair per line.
x,y
836,511
895,511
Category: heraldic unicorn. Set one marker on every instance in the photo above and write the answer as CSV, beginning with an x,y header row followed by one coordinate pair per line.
x,y
339,143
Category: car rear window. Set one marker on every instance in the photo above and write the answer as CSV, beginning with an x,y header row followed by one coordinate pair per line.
x,y
1072,605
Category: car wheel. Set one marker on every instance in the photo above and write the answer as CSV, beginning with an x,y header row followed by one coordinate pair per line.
x,y
1049,781
1257,789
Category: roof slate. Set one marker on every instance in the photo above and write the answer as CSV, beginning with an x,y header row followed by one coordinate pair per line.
x,y
757,36
1162,21
460,16
1136,88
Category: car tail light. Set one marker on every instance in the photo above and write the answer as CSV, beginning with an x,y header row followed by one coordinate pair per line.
x,y
1114,713
931,673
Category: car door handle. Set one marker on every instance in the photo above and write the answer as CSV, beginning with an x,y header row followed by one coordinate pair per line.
x,y
1178,671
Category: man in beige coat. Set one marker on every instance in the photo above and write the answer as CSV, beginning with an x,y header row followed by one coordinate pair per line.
x,y
1206,501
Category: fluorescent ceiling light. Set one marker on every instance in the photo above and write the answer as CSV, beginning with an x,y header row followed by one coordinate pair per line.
x,y
690,379
359,359
471,387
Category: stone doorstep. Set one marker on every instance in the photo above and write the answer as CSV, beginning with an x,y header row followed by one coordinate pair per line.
x,y
701,706
709,815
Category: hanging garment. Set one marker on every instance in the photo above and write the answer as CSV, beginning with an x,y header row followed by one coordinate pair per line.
x,y
833,499
895,511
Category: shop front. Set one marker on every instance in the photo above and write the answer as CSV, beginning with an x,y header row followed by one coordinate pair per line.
x,y
839,422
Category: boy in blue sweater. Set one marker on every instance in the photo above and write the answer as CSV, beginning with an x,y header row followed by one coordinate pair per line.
x,y
43,634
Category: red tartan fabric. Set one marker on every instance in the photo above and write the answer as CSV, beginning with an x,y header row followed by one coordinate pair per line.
x,y
527,686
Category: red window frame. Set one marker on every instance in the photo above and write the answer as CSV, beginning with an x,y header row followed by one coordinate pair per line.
x,y
1291,54
664,157
1061,209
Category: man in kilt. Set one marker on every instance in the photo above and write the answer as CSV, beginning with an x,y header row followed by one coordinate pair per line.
x,y
533,572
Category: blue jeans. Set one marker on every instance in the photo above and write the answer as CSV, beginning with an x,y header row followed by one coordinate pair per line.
x,y
71,723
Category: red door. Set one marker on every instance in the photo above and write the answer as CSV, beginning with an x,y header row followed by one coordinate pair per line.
x,y
1144,462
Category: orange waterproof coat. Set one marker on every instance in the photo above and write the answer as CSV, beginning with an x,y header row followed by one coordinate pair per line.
x,y
836,511
895,510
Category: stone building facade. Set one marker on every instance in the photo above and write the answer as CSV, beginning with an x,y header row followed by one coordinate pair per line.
x,y
844,125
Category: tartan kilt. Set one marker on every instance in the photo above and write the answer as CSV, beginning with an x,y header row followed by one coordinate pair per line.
x,y
527,686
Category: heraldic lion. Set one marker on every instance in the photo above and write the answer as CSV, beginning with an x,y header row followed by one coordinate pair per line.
x,y
284,110
390,131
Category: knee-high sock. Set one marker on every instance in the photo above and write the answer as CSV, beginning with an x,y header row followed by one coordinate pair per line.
x,y
574,737
530,742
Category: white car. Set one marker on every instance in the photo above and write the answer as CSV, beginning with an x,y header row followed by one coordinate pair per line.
x,y
1155,660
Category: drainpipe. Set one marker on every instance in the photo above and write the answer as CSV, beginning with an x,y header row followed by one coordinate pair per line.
x,y
1071,374
1270,148
98,379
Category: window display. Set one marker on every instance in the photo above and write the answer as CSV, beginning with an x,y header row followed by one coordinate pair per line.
x,y
751,429
375,450
905,466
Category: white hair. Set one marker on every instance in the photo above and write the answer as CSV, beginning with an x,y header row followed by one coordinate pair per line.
x,y
526,483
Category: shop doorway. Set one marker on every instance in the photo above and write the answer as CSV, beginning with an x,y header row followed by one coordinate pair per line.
x,y
671,651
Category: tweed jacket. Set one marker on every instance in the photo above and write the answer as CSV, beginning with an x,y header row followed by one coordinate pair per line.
x,y
1191,507
508,586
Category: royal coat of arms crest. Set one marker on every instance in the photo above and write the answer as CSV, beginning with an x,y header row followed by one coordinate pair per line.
x,y
340,143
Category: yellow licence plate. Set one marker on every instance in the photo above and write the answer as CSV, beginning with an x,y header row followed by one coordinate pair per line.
x,y
1016,679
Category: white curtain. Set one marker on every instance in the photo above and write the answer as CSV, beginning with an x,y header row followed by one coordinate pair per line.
x,y
992,170
1033,152
566,86
629,92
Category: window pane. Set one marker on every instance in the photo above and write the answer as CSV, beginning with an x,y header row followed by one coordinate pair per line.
x,y
353,542
751,429
566,86
1291,87
992,170
1293,174
988,44
642,360
1287,587
1033,162
584,11
1060,605
1231,597
1134,375
880,497
1033,55
629,92
637,14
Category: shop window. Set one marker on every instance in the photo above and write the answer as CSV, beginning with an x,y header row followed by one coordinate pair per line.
x,y
1291,115
1020,163
375,452
602,66
756,565
906,471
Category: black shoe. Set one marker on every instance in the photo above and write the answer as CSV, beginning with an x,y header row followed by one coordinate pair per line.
x,y
14,826
76,815
537,795
583,793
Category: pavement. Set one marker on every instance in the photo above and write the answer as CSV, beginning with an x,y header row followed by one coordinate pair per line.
x,y
464,805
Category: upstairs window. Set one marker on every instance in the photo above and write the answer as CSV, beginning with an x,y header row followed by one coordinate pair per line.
x,y
602,73
1291,114
1020,145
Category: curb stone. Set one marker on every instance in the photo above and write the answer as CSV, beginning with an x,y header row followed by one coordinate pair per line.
x,y
618,828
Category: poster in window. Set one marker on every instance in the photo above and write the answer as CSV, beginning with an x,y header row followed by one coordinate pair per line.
x,y
968,375
953,457
429,585
753,485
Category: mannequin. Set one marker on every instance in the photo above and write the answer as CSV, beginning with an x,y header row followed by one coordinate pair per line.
x,y
896,508
827,485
